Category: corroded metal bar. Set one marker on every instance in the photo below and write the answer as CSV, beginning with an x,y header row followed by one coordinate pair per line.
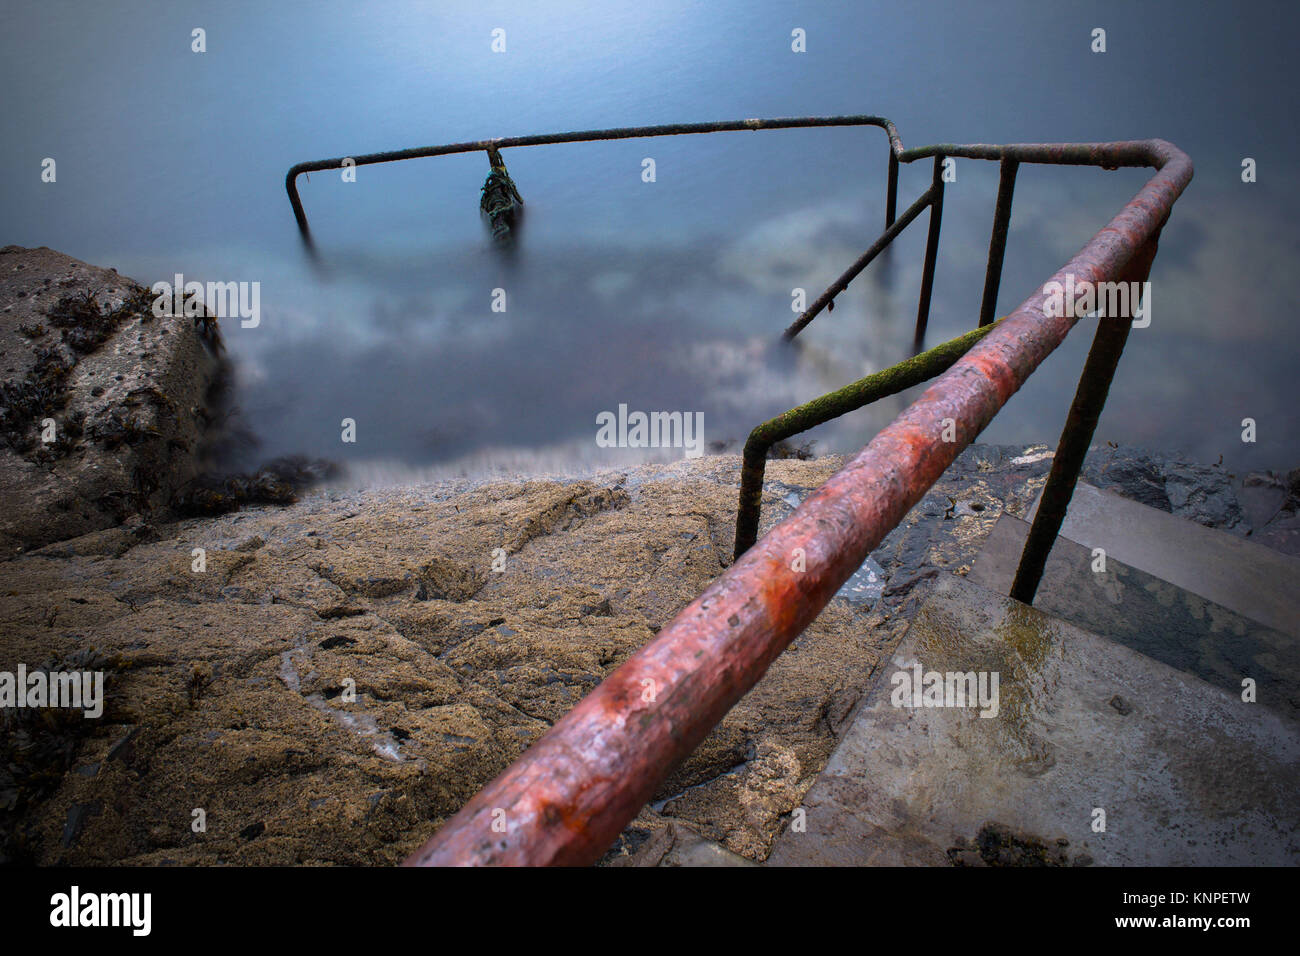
x,y
998,240
568,797
1105,155
931,256
891,190
863,392
1080,424
851,273
583,136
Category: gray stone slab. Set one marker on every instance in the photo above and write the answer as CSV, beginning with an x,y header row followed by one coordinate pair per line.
x,y
1250,579
1151,616
1185,773
678,845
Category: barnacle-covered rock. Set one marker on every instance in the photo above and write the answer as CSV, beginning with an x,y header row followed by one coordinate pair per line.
x,y
100,400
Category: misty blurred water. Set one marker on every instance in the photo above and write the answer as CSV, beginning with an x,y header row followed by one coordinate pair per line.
x,y
664,295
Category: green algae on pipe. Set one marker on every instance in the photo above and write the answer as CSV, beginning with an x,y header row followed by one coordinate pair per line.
x,y
864,391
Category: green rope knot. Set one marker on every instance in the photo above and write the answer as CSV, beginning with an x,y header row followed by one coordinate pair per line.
x,y
501,201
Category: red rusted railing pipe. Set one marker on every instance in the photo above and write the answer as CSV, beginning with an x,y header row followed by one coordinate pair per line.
x,y
576,788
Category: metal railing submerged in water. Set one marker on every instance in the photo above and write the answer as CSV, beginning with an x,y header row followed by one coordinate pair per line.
x,y
591,136
931,198
569,796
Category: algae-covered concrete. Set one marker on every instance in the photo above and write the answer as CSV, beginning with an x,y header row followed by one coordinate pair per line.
x,y
1091,753
1154,617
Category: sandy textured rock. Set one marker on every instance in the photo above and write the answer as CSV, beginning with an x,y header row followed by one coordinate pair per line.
x,y
346,672
343,674
129,411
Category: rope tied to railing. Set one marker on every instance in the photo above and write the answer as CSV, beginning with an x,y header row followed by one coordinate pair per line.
x,y
501,201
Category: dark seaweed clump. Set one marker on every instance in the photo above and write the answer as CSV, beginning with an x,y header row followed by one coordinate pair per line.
x,y
998,845
38,396
128,424
788,449
277,482
86,326
501,202
43,393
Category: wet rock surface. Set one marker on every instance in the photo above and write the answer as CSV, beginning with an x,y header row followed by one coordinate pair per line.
x,y
345,673
328,682
103,406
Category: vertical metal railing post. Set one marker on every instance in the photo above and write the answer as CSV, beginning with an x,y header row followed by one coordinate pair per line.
x,y
1085,410
931,256
891,190
998,241
910,214
299,214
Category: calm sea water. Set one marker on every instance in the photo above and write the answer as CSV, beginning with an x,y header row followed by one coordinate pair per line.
x,y
664,295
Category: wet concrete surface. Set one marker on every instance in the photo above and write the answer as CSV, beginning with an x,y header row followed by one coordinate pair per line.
x,y
1087,734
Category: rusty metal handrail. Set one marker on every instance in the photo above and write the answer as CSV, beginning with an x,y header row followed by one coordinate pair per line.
x,y
588,136
931,199
1097,373
568,797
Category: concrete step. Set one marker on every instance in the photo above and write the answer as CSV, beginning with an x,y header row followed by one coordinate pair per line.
x,y
1185,772
1149,615
1252,580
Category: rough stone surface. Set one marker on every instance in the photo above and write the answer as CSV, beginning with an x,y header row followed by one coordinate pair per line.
x,y
1199,493
1272,505
230,688
129,410
676,844
346,672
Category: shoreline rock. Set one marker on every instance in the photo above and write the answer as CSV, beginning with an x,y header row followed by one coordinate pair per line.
x,y
124,395
345,672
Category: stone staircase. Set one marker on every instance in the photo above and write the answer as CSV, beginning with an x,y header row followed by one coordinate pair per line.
x,y
1145,711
